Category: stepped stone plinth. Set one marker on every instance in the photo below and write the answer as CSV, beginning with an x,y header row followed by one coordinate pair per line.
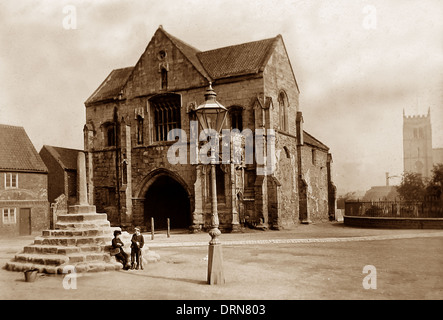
x,y
79,240
82,238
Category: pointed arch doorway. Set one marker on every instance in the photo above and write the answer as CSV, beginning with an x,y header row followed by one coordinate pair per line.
x,y
167,198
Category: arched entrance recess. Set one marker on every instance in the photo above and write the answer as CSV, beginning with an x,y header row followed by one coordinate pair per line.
x,y
166,196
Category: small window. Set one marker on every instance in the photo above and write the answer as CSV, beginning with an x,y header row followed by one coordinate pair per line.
x,y
288,154
313,156
125,170
139,129
8,216
164,75
236,118
109,134
282,111
11,180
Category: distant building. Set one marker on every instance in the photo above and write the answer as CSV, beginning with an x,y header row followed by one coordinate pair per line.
x,y
24,202
62,174
418,154
381,193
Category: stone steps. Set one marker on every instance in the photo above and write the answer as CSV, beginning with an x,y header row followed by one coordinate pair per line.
x,y
82,240
82,225
78,232
64,250
81,217
95,266
73,241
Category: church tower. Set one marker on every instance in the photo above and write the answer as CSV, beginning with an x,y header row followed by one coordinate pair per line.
x,y
417,144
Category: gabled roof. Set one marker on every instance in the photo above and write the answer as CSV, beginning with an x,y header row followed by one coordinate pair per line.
x,y
308,139
236,60
189,52
111,87
17,151
67,158
241,59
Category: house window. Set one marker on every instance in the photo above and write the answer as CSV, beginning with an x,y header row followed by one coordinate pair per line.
x,y
236,117
8,216
313,156
165,111
139,129
282,111
11,180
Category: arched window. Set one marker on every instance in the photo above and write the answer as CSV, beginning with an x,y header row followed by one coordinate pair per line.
x,y
282,111
164,75
109,134
236,115
139,132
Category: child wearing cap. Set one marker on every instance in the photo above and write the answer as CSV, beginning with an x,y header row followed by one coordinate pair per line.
x,y
120,254
137,243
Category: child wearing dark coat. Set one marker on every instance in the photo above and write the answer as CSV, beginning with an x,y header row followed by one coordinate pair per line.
x,y
137,243
121,256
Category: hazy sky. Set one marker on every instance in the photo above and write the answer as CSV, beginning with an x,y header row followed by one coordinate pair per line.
x,y
358,65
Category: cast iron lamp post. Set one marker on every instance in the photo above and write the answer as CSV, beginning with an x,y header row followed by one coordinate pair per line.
x,y
211,115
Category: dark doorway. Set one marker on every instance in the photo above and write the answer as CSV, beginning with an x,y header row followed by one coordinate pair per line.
x,y
166,198
25,222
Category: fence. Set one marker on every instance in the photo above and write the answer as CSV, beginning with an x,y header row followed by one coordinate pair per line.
x,y
428,208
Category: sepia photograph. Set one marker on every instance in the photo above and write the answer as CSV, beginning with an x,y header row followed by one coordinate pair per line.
x,y
224,158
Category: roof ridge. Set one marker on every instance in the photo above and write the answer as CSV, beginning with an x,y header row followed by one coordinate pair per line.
x,y
200,68
179,40
240,44
56,147
316,140
11,126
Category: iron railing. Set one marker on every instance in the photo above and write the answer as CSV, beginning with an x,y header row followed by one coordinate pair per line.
x,y
428,208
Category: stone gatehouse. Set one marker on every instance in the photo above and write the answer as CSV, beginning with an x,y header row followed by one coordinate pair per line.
x,y
130,114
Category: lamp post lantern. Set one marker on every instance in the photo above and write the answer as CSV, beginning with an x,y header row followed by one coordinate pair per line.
x,y
211,115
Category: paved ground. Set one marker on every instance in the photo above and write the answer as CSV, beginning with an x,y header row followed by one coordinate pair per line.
x,y
319,261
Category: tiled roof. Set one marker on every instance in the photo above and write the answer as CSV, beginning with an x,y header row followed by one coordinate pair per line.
x,y
308,139
237,60
67,158
17,153
111,87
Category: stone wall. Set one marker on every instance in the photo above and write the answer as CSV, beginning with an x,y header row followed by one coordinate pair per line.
x,y
316,175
